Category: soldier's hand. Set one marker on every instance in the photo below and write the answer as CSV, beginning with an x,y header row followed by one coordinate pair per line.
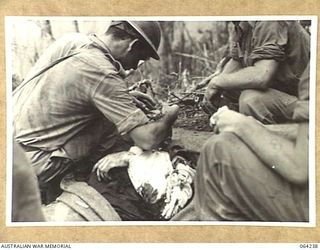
x,y
170,113
211,91
104,165
226,120
143,101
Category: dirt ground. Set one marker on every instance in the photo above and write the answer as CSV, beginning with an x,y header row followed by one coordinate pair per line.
x,y
191,129
190,139
192,118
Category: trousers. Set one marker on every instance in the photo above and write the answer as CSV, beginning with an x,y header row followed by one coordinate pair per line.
x,y
232,184
26,203
78,155
269,107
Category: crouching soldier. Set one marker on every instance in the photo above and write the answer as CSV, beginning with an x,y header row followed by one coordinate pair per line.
x,y
80,103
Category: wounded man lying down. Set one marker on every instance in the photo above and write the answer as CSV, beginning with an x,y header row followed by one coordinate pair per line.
x,y
132,185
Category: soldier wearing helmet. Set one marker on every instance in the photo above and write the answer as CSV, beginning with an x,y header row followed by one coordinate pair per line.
x,y
74,105
141,40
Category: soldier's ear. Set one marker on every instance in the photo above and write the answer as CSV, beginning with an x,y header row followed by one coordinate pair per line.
x,y
132,44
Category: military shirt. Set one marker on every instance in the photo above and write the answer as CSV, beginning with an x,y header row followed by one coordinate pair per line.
x,y
301,111
67,101
283,41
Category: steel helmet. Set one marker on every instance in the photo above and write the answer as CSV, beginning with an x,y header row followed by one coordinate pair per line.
x,y
150,32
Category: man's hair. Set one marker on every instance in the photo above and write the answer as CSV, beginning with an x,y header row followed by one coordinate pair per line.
x,y
122,31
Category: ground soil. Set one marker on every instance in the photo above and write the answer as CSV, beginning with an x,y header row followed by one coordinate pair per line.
x,y
192,129
193,118
190,139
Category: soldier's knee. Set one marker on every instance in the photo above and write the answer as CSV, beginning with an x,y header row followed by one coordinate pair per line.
x,y
219,145
249,100
253,102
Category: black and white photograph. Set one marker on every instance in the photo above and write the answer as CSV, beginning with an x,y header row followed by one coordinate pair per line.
x,y
161,120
